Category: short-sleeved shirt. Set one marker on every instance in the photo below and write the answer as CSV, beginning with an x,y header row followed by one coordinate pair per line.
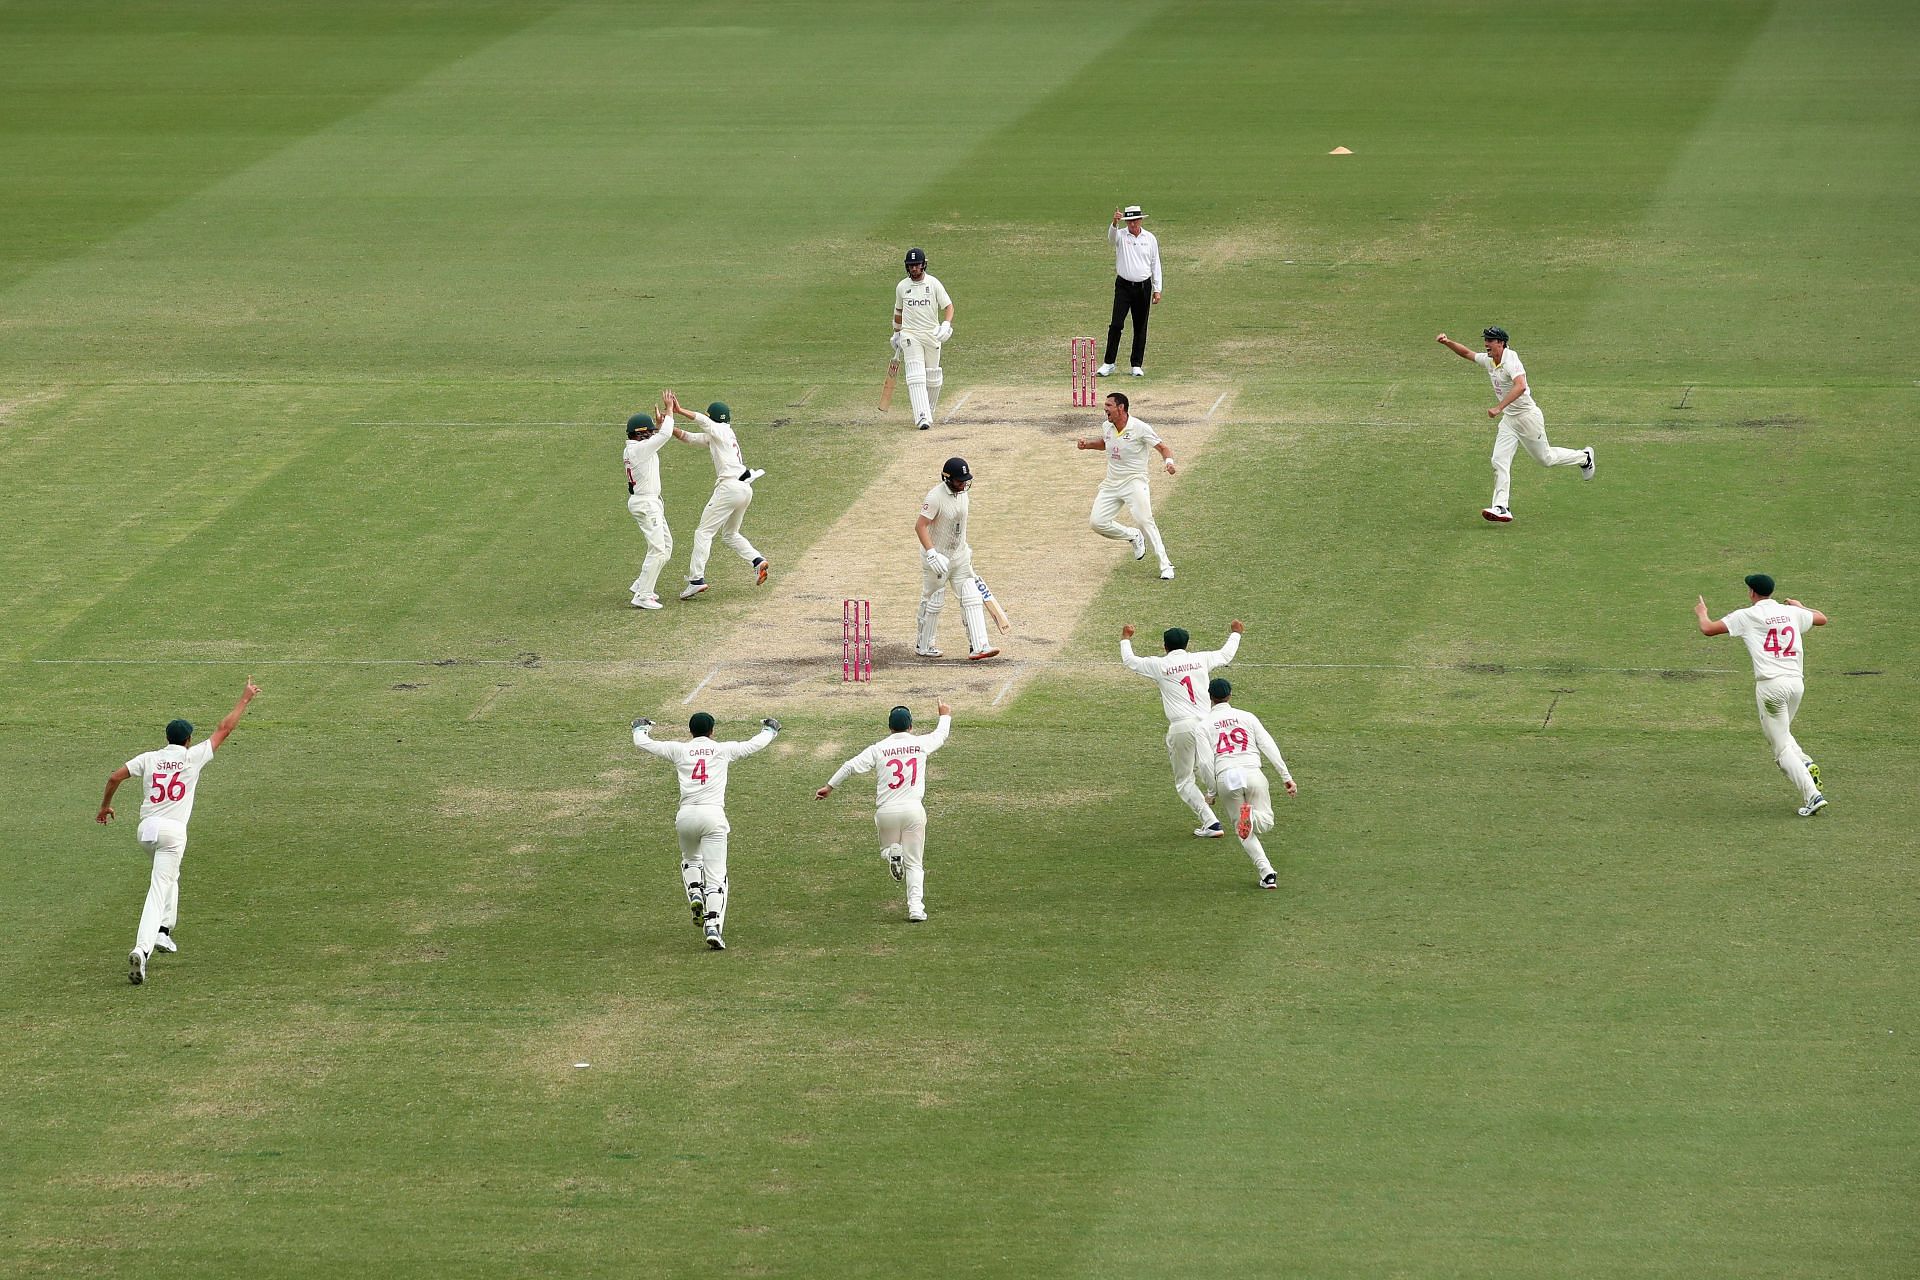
x,y
1775,632
901,761
948,511
642,461
921,304
1504,375
170,776
1127,451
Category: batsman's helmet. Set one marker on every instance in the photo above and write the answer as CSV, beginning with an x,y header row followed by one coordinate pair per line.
x,y
640,426
1494,333
957,474
899,719
1176,638
916,257
700,725
179,732
719,412
1219,690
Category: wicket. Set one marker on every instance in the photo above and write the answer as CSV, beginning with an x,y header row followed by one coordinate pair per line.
x,y
856,642
1082,367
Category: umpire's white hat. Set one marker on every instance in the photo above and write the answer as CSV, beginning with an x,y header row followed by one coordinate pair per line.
x,y
1131,212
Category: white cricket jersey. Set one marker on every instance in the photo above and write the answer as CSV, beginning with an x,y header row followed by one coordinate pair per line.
x,y
1135,258
702,763
1504,375
170,776
1775,632
948,511
1182,676
922,304
722,445
1238,740
901,759
1127,451
642,460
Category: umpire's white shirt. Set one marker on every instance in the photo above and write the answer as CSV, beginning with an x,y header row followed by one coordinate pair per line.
x,y
1135,258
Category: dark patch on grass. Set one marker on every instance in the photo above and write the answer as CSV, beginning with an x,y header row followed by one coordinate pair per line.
x,y
404,685
1483,668
1683,675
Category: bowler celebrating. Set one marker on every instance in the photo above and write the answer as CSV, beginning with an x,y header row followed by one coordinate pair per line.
x,y
701,823
1776,637
900,810
922,324
1521,422
1182,678
1127,441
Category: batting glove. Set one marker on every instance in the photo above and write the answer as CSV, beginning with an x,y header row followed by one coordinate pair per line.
x,y
944,332
772,724
896,342
938,563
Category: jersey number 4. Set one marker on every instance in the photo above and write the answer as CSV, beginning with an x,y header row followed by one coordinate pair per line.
x,y
905,772
699,773
1231,741
1780,642
167,786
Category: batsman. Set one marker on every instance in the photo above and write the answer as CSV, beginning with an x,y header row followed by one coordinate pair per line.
x,y
947,562
922,321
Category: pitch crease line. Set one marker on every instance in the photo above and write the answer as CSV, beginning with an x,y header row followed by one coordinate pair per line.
x,y
697,688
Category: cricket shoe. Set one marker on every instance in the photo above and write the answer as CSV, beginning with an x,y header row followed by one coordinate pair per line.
x,y
896,863
927,653
982,655
1103,371
1166,574
1245,825
1137,372
1812,806
136,966
760,571
1587,467
647,602
925,424
1813,771
917,915
714,941
694,587
1270,881
163,941
1139,540
697,901
1499,515
1213,832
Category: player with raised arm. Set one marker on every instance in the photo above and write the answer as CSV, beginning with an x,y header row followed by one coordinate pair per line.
x,y
171,775
641,458
732,491
1521,422
1239,741
701,824
1775,634
1127,440
1182,677
900,793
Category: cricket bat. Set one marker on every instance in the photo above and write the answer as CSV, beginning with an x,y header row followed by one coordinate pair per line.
x,y
886,388
1000,618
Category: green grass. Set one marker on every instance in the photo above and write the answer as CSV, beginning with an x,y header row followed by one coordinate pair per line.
x,y
1555,985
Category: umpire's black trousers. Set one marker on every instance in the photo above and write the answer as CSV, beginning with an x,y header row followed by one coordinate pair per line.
x,y
1135,296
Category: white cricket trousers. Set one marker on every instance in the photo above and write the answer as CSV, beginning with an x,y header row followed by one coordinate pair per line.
x,y
166,841
703,830
1779,701
1138,499
725,510
1186,748
904,822
1528,430
933,598
920,363
1253,793
651,516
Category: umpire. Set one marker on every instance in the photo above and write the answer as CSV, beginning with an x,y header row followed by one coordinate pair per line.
x,y
1136,285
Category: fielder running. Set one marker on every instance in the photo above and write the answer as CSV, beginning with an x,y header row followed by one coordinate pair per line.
x,y
702,821
947,561
1127,440
1775,632
732,492
171,775
1239,740
642,460
900,808
1182,677
922,322
1521,422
